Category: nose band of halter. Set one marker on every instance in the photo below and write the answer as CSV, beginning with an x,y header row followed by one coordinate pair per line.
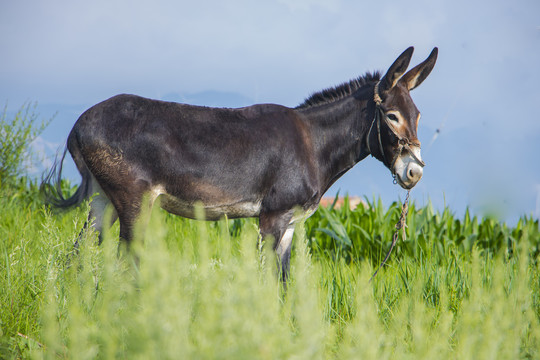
x,y
403,142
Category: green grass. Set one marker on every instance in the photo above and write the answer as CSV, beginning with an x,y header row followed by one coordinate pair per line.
x,y
456,288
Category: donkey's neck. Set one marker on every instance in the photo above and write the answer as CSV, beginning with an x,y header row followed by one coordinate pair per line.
x,y
338,132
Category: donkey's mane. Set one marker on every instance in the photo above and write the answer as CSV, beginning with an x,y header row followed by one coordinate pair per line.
x,y
339,92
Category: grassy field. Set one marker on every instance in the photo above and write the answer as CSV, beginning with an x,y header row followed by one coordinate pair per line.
x,y
465,288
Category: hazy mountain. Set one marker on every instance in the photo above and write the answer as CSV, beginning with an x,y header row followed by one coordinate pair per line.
x,y
211,98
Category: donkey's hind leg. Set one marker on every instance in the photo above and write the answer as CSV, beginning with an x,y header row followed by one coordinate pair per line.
x,y
96,217
133,203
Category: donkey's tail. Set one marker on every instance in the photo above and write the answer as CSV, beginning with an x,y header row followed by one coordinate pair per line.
x,y
51,185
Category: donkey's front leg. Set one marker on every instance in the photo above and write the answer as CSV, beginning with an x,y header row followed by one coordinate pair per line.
x,y
279,226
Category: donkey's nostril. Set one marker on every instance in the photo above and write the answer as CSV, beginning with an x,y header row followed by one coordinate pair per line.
x,y
414,172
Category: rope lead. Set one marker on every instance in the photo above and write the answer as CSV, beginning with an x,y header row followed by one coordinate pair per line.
x,y
400,225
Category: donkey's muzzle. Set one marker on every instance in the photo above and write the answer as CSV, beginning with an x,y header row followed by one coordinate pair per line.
x,y
409,168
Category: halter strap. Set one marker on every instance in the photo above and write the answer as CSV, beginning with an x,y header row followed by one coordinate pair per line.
x,y
376,96
403,142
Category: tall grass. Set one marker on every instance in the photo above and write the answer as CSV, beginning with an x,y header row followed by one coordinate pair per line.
x,y
365,233
207,290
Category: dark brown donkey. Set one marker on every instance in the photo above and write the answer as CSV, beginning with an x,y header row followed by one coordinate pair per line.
x,y
261,161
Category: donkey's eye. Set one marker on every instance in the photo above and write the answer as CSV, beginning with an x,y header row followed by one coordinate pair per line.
x,y
392,117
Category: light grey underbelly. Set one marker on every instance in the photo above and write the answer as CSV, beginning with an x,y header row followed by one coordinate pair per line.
x,y
214,211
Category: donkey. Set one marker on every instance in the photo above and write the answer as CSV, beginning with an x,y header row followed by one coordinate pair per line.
x,y
262,161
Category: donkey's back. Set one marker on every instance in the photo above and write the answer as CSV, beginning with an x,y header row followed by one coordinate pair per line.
x,y
231,161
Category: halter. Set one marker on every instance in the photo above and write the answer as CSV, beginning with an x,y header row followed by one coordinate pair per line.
x,y
403,142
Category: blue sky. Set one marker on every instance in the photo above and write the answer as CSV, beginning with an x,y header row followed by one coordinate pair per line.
x,y
483,93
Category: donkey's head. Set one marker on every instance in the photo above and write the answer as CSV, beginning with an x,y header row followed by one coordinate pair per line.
x,y
392,137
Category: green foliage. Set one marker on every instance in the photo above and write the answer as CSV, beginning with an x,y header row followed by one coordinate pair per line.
x,y
365,233
206,290
15,137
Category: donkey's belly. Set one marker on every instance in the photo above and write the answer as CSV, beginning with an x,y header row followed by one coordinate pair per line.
x,y
212,210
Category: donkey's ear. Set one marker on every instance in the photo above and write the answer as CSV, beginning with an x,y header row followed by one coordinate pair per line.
x,y
397,69
419,73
